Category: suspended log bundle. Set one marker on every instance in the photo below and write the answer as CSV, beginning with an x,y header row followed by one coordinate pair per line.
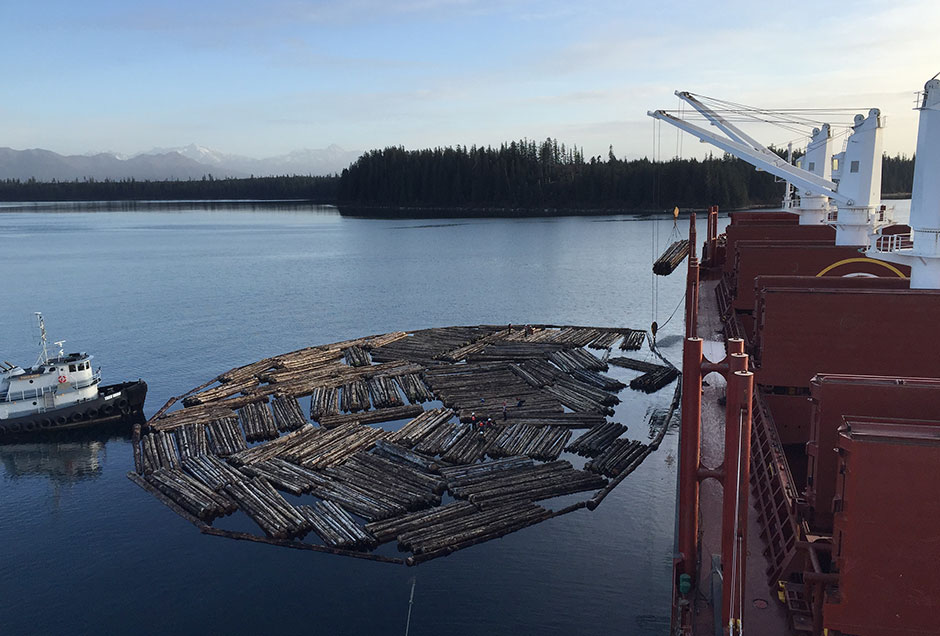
x,y
536,383
539,442
384,392
323,402
623,455
421,426
356,356
654,380
288,415
225,438
355,397
596,440
633,340
336,526
670,259
414,388
257,422
373,417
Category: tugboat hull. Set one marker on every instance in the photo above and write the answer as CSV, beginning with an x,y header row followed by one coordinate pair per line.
x,y
114,402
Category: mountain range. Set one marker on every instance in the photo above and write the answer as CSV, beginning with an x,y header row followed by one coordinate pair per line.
x,y
186,162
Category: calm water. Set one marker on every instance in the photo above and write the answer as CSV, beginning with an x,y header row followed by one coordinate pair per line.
x,y
176,296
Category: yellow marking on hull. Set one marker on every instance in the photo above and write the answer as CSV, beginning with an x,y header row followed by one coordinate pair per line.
x,y
889,266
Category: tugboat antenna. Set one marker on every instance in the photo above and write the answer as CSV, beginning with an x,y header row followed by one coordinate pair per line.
x,y
42,338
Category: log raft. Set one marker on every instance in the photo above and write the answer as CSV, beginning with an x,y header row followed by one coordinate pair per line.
x,y
504,403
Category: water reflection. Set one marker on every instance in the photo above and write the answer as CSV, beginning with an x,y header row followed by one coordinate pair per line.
x,y
65,458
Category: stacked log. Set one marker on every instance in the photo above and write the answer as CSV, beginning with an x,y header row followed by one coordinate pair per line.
x,y
596,440
622,456
336,527
574,336
598,380
303,436
572,359
257,422
414,388
334,446
634,365
605,340
225,438
356,356
388,529
190,494
191,440
670,259
384,392
539,442
355,397
287,414
211,471
586,390
448,535
530,483
633,340
388,482
363,504
484,470
266,507
396,453
441,438
284,475
569,420
421,426
509,350
428,345
322,402
158,451
473,444
576,400
373,417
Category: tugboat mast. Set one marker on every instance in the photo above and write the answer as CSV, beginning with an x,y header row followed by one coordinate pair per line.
x,y
44,356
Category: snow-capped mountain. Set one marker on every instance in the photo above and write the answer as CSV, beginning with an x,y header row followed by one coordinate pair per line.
x,y
187,162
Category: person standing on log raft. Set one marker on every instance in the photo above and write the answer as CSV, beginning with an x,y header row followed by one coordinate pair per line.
x,y
505,411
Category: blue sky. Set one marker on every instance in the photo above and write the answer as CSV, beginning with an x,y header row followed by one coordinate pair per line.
x,y
264,78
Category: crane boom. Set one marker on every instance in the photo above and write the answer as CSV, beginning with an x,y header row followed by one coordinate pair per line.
x,y
722,124
768,162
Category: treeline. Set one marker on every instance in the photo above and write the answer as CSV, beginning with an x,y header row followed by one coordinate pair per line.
x,y
531,175
320,189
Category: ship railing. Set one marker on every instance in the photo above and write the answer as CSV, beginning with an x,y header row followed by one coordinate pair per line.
x,y
26,394
82,384
893,243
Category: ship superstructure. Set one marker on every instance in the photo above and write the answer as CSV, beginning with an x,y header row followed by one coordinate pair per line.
x,y
808,490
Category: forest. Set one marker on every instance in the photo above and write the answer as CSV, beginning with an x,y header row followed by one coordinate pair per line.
x,y
517,177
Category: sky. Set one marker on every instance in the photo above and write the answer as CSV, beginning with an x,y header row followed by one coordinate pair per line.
x,y
265,78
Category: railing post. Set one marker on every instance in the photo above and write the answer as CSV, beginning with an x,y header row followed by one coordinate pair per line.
x,y
690,453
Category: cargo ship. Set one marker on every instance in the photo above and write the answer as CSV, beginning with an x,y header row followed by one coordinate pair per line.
x,y
809,472
61,392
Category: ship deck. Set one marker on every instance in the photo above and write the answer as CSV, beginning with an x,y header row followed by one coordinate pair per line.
x,y
763,614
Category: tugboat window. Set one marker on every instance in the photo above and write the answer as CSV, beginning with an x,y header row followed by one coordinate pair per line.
x,y
72,368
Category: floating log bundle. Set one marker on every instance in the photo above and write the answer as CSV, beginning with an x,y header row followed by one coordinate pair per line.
x,y
654,380
288,415
257,421
670,259
372,486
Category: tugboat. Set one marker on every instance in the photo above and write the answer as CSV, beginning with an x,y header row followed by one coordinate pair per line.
x,y
62,392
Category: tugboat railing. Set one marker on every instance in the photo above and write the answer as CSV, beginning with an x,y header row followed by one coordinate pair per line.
x,y
28,394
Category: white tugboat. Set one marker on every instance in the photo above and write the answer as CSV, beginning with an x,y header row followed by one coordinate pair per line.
x,y
61,392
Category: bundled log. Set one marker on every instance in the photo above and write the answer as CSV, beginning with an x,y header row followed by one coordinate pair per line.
x,y
287,413
539,442
257,422
633,339
421,426
291,441
190,494
515,351
335,526
605,340
373,417
225,438
528,483
356,356
670,259
573,336
473,444
266,507
569,420
396,453
596,440
429,345
572,359
655,380
576,400
334,446
322,402
635,365
158,451
284,475
484,470
191,440
355,397
441,438
623,455
459,532
597,380
414,388
388,529
211,471
388,482
384,392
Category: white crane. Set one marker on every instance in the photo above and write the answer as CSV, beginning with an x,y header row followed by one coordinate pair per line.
x,y
856,191
921,248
